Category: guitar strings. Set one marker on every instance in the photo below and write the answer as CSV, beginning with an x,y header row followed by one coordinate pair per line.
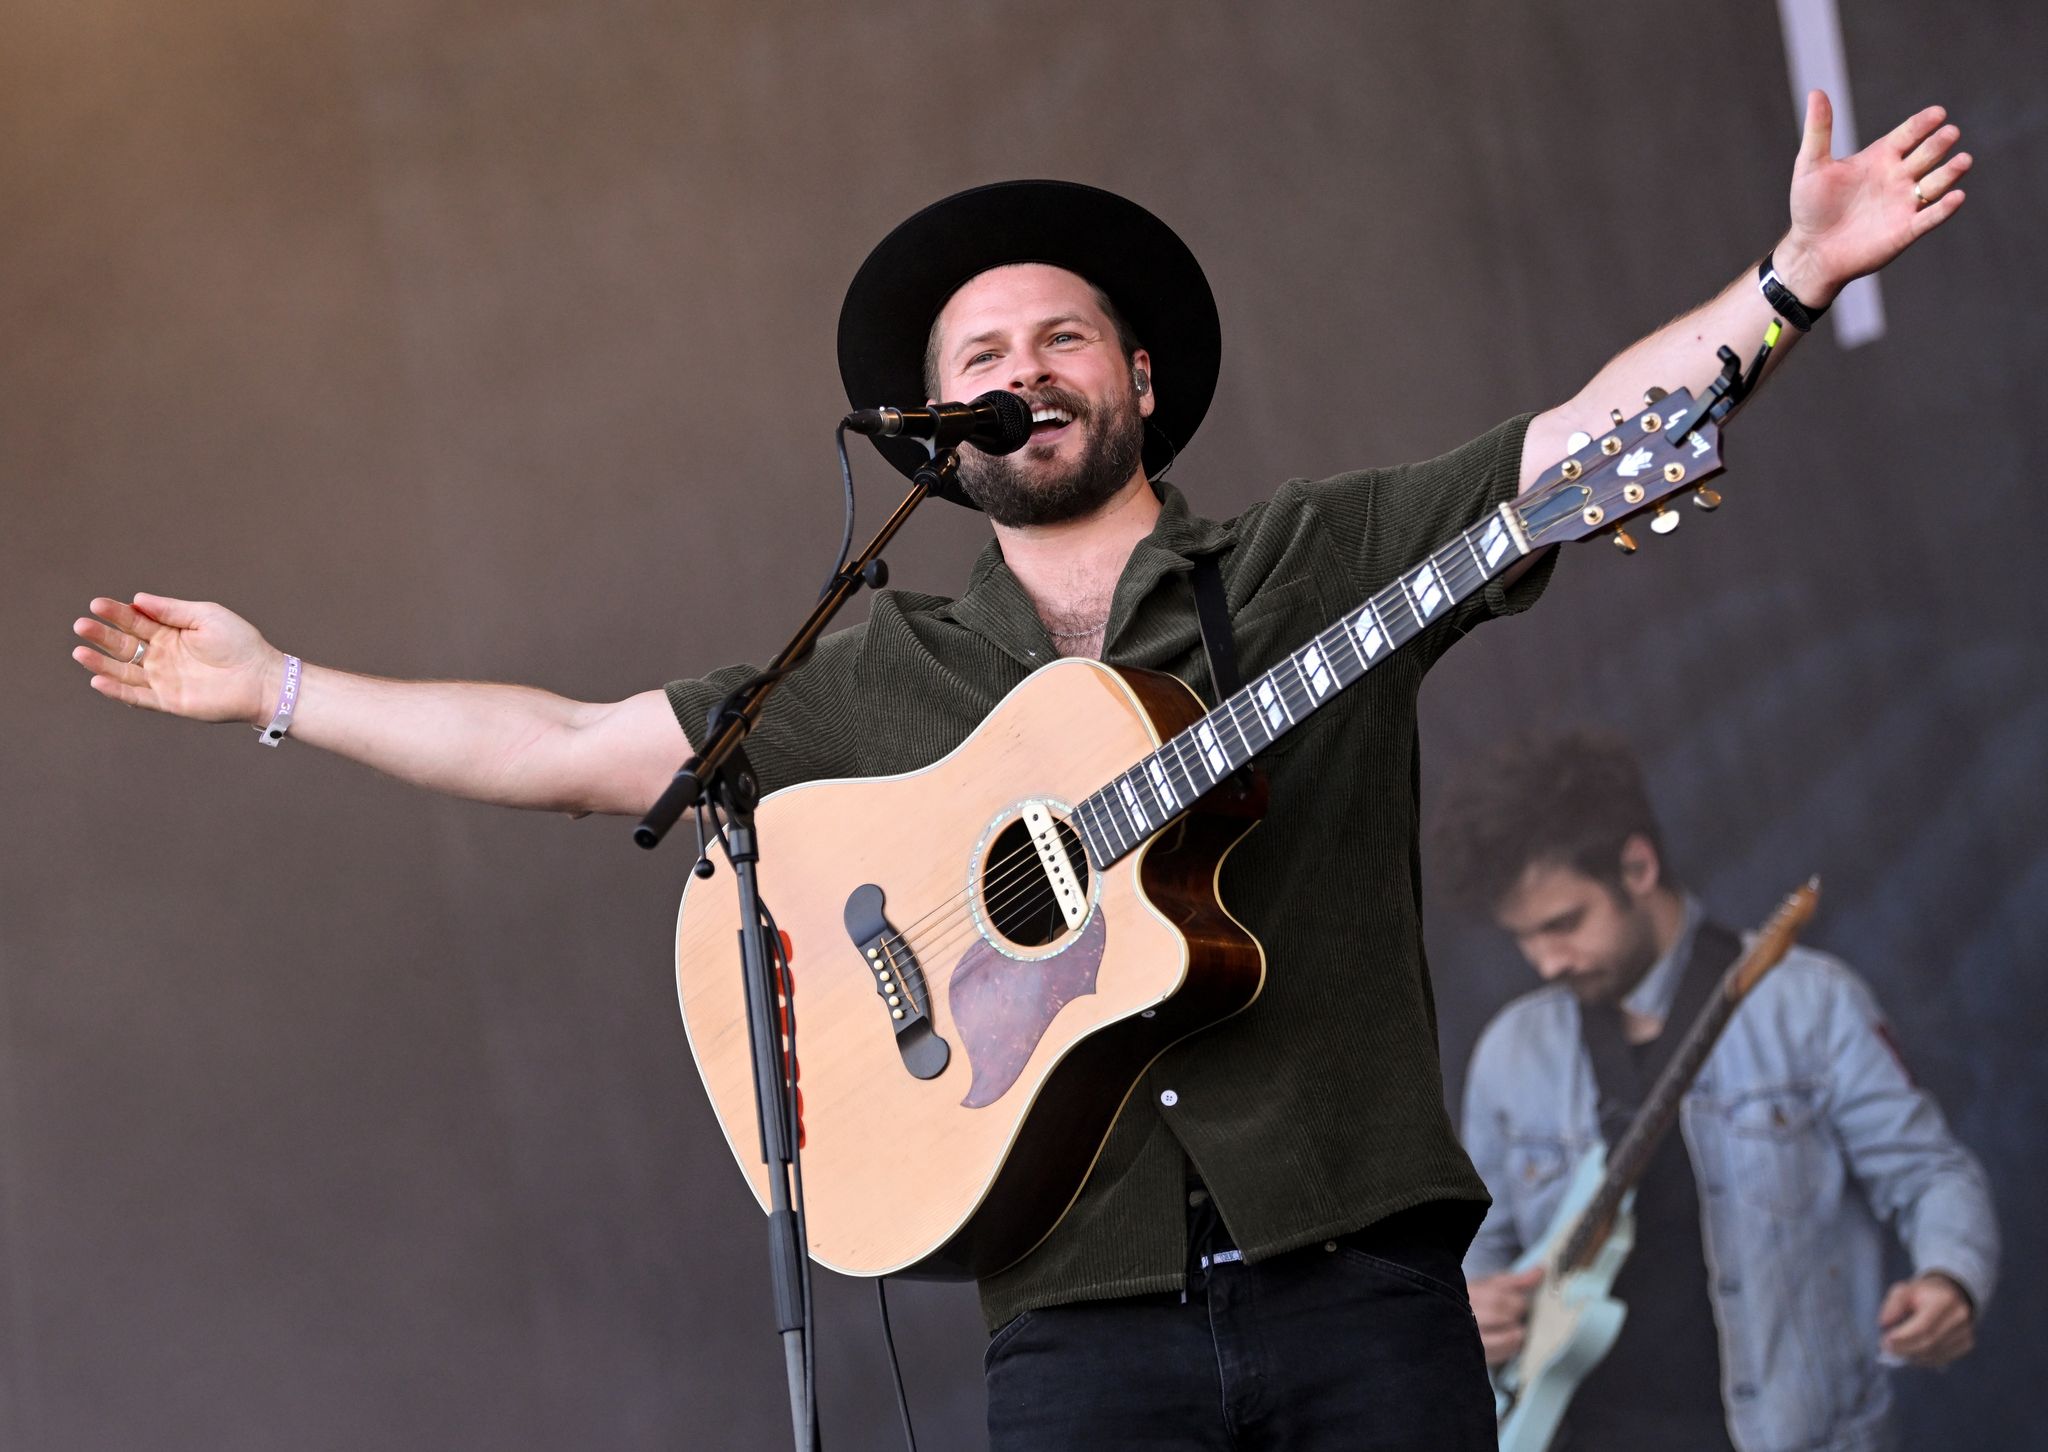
x,y
1007,885
1010,876
1000,873
1008,892
959,922
1005,873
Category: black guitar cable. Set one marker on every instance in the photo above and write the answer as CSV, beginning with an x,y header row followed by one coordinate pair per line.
x,y
895,1367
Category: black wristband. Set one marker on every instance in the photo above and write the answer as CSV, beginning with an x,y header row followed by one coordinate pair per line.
x,y
1782,302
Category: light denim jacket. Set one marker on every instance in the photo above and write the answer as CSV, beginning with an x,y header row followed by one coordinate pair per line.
x,y
1805,1132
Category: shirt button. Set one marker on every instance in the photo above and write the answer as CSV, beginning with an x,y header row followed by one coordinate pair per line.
x,y
1198,1197
1730,1285
1168,1098
1744,1391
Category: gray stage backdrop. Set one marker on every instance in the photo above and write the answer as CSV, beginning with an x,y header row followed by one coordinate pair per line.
x,y
493,338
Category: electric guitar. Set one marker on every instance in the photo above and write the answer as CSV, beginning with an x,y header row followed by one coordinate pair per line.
x,y
988,952
1573,1321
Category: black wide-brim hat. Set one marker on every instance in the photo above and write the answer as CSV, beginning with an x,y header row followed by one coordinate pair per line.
x,y
1146,270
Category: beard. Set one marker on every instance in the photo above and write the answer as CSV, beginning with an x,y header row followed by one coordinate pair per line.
x,y
1116,443
1616,979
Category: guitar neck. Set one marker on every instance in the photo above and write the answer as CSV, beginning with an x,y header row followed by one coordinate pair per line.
x,y
1659,1112
1136,805
1653,1121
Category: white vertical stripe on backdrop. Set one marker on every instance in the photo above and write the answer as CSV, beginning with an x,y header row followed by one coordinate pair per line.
x,y
1815,60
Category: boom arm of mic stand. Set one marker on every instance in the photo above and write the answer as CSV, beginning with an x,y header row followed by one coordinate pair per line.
x,y
690,783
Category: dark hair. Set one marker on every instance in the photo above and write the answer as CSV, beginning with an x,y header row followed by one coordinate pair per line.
x,y
1125,338
1571,798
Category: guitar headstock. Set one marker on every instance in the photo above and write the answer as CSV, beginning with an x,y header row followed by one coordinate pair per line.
x,y
1774,940
1631,468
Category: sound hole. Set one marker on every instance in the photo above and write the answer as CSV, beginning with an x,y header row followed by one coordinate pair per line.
x,y
1016,896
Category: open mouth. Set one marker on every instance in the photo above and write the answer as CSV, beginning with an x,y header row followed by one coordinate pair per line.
x,y
1049,423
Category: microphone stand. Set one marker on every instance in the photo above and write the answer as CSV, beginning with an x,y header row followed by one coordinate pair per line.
x,y
719,775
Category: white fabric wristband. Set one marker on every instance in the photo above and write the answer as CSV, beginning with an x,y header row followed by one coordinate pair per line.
x,y
287,702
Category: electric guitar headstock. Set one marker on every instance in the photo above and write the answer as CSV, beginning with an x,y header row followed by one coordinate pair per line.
x,y
1774,940
1671,447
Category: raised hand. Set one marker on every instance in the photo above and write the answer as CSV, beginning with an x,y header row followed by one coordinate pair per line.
x,y
1853,214
181,657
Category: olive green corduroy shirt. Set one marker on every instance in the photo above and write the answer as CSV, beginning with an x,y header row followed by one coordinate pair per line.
x,y
1319,1109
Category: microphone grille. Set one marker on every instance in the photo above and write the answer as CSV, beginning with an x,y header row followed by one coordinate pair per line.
x,y
1013,422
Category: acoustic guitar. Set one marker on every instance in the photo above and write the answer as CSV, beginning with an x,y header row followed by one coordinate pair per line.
x,y
1573,1321
987,953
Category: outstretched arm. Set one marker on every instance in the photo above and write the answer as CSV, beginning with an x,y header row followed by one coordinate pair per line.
x,y
511,745
1849,216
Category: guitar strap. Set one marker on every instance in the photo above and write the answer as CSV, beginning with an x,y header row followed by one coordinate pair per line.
x,y
1621,1078
1212,612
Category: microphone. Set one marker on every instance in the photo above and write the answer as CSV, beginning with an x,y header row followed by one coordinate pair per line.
x,y
998,422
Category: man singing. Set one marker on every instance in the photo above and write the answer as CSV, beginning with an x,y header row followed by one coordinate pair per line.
x,y
1267,1252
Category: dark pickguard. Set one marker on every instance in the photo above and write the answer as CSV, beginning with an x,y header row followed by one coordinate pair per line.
x,y
1002,1005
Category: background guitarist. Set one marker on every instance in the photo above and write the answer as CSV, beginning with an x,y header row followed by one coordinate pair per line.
x,y
1268,1250
1757,1317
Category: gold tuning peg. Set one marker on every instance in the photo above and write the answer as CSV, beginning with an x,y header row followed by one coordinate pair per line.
x,y
1707,499
1652,394
1618,416
1624,541
1664,521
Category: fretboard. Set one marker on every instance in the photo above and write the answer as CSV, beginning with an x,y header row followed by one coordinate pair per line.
x,y
1128,811
1631,1154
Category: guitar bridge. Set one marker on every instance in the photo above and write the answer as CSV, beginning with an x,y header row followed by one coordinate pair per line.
x,y
899,983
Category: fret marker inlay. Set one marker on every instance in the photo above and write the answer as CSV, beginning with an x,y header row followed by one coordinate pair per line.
x,y
1428,592
1312,667
1496,542
1137,812
1164,787
1368,631
1269,699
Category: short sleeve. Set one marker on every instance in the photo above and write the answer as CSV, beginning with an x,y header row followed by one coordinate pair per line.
x,y
806,731
1381,521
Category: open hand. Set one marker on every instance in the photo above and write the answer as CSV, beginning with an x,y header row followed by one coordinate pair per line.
x,y
1927,1321
1501,1306
181,657
1853,214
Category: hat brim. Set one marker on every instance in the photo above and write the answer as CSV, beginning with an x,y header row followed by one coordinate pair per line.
x,y
1135,258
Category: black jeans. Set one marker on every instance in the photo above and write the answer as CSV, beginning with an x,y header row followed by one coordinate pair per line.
x,y
1367,1343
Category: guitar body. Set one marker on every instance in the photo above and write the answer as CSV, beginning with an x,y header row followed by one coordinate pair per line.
x,y
1573,1321
958,1074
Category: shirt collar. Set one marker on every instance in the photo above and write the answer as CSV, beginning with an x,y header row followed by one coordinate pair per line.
x,y
1652,997
997,606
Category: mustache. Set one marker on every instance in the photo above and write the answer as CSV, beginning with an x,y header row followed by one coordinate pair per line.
x,y
1072,404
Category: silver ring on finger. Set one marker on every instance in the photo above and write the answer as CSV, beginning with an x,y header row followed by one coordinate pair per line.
x,y
140,647
1918,195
